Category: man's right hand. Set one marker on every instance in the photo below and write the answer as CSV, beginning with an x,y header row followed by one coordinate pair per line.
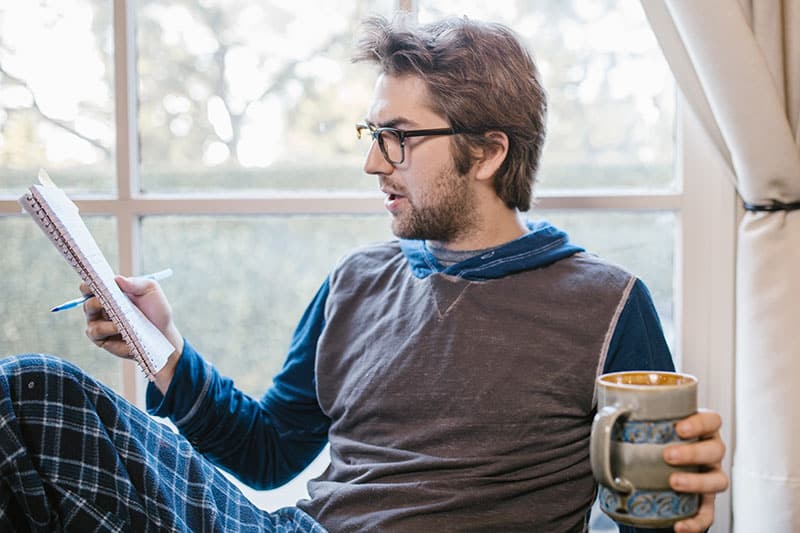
x,y
150,299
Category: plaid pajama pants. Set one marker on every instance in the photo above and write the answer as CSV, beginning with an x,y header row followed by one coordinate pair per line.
x,y
75,456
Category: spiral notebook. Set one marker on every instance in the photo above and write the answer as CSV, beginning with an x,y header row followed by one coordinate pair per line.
x,y
58,218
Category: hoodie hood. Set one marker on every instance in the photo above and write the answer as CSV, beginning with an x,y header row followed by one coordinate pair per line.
x,y
543,245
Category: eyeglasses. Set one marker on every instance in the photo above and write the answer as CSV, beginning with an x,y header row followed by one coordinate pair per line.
x,y
392,141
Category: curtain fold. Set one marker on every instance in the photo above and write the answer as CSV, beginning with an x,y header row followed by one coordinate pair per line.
x,y
738,66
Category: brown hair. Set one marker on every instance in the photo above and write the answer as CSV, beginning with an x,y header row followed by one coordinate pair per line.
x,y
481,78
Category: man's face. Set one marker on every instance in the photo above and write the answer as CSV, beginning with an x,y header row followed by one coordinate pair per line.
x,y
427,198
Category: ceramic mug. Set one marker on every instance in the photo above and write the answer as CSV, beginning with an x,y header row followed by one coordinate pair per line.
x,y
636,416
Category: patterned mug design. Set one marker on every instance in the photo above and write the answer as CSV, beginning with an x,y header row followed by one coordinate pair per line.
x,y
637,432
655,504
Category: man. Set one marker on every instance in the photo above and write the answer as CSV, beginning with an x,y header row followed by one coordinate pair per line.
x,y
452,371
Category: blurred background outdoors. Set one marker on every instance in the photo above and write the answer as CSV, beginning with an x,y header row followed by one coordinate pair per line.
x,y
237,96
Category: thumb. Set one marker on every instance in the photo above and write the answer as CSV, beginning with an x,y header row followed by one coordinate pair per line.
x,y
134,286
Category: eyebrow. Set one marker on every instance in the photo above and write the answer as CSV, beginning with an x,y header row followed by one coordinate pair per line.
x,y
391,123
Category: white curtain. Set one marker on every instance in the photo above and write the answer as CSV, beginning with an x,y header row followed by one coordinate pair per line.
x,y
737,63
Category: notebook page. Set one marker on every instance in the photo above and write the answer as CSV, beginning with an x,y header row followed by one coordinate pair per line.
x,y
143,336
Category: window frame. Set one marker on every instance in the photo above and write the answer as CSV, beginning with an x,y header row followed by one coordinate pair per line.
x,y
706,280
706,236
705,283
703,225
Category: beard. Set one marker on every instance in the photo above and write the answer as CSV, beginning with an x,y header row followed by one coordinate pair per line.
x,y
442,213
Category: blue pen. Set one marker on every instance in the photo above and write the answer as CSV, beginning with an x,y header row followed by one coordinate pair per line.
x,y
161,274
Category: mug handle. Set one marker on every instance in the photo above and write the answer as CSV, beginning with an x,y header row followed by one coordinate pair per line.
x,y
600,448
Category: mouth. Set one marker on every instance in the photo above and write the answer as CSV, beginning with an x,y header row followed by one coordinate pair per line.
x,y
393,201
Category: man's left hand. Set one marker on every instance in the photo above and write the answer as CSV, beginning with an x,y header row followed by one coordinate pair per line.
x,y
707,452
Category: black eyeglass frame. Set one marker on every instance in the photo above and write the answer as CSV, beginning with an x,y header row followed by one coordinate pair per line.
x,y
375,133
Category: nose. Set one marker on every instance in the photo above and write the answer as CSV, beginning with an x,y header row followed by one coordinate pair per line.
x,y
375,163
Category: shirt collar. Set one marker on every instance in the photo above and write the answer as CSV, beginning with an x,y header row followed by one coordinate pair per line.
x,y
544,244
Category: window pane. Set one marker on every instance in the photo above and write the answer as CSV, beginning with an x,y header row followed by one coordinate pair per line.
x,y
35,278
242,283
244,94
57,94
641,242
610,91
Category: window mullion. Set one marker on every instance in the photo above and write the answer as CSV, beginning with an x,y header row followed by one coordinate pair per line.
x,y
127,151
408,6
125,98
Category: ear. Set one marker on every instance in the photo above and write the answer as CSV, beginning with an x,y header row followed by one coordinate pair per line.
x,y
489,159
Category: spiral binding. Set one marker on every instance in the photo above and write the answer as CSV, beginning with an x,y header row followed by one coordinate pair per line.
x,y
52,230
67,246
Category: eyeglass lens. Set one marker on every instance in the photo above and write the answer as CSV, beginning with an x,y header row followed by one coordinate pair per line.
x,y
390,146
388,142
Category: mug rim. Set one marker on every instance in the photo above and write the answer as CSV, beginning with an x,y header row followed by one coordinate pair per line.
x,y
686,380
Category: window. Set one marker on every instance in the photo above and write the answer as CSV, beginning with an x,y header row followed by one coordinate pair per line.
x,y
56,112
216,138
237,95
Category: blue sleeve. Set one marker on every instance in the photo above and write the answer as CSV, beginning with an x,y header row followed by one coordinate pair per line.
x,y
638,343
264,443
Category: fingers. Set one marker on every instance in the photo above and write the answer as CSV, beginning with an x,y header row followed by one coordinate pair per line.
x,y
133,287
100,330
93,310
136,286
704,452
702,520
708,453
704,423
104,334
706,482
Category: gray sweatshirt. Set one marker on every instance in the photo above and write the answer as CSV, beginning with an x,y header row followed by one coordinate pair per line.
x,y
457,404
